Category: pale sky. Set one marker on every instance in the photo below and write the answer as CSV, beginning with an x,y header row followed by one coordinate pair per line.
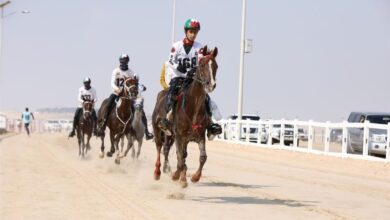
x,y
311,59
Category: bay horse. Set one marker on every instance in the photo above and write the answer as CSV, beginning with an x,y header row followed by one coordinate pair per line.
x,y
85,127
119,119
136,132
190,119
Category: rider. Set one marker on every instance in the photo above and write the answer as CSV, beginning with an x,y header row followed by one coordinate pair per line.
x,y
117,80
86,93
140,101
183,61
26,117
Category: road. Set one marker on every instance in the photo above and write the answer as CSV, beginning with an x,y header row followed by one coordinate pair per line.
x,y
42,177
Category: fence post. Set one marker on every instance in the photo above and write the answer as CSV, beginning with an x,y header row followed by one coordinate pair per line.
x,y
296,134
269,134
344,141
365,138
259,132
281,142
327,137
388,143
310,141
247,132
229,129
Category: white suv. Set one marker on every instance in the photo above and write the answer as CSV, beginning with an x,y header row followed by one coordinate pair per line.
x,y
249,128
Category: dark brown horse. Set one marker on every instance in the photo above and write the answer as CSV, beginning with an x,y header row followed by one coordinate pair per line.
x,y
85,127
119,119
190,119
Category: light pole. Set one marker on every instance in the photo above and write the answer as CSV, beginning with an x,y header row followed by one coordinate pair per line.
x,y
241,75
2,5
173,21
2,16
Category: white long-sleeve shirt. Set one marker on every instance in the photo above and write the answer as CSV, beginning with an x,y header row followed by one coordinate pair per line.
x,y
179,55
118,78
85,94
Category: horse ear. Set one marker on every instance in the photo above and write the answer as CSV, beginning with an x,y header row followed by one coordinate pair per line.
x,y
204,50
215,52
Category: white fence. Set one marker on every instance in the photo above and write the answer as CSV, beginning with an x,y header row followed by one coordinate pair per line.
x,y
334,139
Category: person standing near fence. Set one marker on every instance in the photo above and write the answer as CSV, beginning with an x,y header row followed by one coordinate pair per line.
x,y
27,117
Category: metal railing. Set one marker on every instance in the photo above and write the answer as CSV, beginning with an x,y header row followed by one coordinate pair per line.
x,y
333,139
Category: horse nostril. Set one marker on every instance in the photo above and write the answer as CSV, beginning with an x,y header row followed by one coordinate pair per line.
x,y
215,85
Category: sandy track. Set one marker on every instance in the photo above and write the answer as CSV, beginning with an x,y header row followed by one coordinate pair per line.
x,y
42,177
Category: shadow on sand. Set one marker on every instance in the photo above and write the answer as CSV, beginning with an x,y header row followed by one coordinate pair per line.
x,y
226,184
252,200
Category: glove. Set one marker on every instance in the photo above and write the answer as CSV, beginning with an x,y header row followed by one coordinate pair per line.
x,y
191,72
181,68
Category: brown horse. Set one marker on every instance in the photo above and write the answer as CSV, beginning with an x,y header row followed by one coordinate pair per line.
x,y
119,119
190,119
85,127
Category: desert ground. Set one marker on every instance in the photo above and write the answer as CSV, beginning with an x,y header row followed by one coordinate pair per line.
x,y
42,177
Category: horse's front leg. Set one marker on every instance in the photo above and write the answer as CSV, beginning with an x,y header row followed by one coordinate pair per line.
x,y
79,141
167,148
101,155
116,143
181,171
202,161
83,144
88,143
112,140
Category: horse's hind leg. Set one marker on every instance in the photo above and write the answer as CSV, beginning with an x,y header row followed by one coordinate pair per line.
x,y
139,146
202,161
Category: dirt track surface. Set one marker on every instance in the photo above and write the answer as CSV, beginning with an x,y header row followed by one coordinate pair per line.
x,y
42,177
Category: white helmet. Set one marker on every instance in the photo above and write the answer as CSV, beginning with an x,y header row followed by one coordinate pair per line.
x,y
87,80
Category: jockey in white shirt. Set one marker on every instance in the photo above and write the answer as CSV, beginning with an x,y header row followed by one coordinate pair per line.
x,y
182,64
117,79
86,93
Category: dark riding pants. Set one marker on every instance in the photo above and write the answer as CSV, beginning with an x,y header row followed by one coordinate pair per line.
x,y
174,87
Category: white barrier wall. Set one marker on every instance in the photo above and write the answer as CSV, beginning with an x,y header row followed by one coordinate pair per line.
x,y
333,139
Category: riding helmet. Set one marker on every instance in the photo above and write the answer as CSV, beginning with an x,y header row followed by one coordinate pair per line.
x,y
192,24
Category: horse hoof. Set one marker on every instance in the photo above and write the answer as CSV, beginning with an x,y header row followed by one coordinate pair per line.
x,y
101,155
195,179
175,176
109,154
117,161
157,175
166,169
183,184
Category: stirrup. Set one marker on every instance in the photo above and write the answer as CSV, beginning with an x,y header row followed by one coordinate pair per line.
x,y
149,136
72,134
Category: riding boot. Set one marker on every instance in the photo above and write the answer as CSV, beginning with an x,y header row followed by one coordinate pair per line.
x,y
148,135
174,87
110,104
213,129
75,122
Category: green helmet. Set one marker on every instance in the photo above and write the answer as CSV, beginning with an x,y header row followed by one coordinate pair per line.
x,y
192,24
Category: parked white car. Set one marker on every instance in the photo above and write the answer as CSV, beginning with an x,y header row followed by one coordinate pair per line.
x,y
288,134
52,126
66,124
249,128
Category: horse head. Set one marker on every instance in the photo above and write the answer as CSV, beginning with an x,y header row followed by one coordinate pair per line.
x,y
207,69
87,108
130,88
